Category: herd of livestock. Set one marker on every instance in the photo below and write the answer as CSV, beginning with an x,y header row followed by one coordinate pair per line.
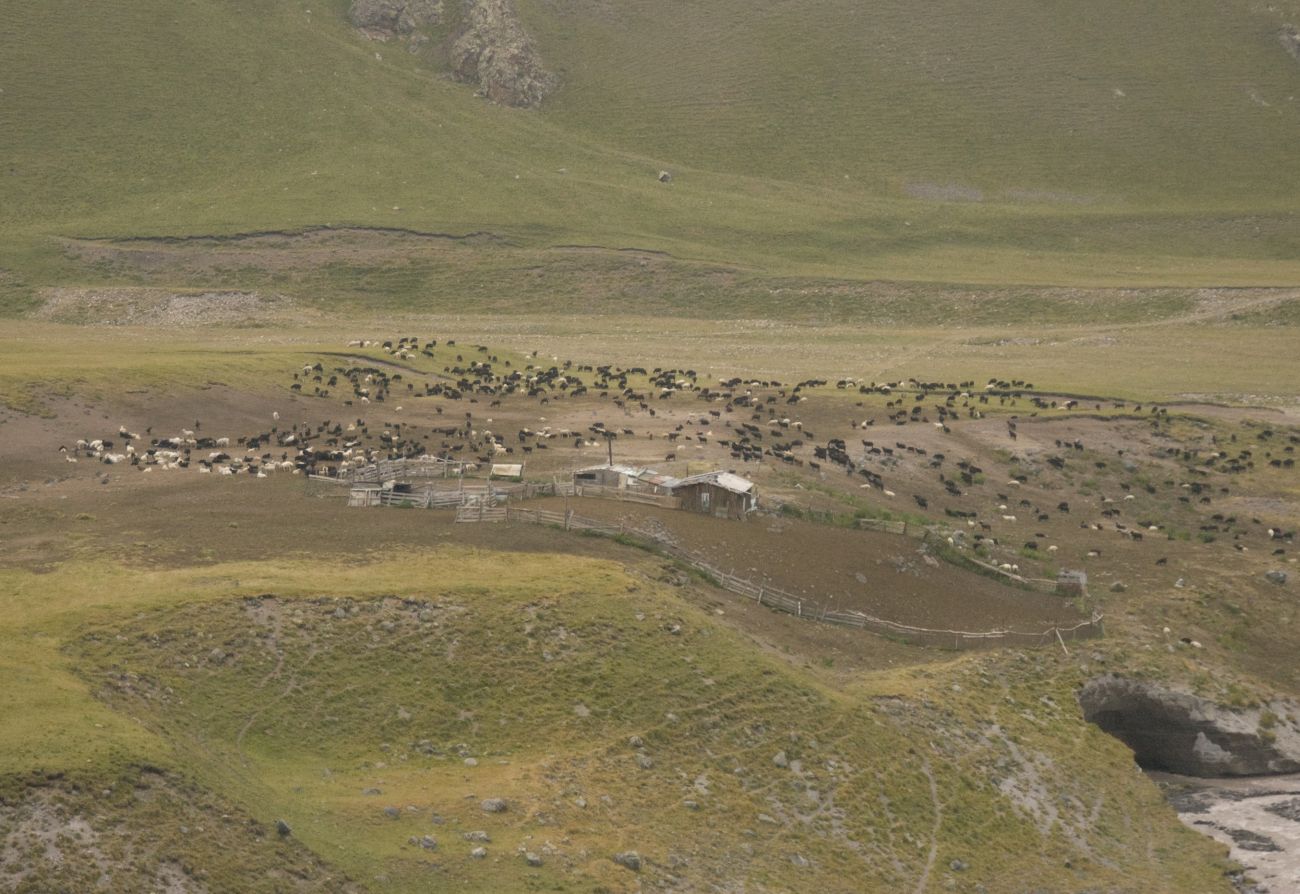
x,y
752,420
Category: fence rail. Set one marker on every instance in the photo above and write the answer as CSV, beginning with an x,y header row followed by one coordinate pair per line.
x,y
481,512
389,469
780,600
431,497
626,496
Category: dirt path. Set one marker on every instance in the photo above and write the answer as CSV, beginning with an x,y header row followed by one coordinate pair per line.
x,y
933,854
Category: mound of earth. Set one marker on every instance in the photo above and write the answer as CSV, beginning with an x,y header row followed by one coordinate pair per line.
x,y
145,830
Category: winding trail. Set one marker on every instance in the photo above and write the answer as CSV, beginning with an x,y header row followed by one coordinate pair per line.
x,y
924,880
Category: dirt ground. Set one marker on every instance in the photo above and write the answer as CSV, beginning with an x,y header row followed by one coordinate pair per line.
x,y
885,575
1045,488
191,520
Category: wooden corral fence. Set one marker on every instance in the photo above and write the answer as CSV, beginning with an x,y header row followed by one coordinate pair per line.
x,y
566,520
404,469
1041,584
627,496
892,526
428,499
780,600
926,534
431,497
326,486
479,511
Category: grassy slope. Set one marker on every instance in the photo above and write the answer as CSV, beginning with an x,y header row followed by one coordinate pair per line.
x,y
1013,98
303,710
155,117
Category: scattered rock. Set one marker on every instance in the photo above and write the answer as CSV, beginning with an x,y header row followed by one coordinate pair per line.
x,y
471,762
392,812
779,759
282,828
1286,809
629,860
1276,576
428,842
959,866
532,859
665,177
1118,587
477,835
478,853
636,741
1248,840
644,761
1290,37
494,805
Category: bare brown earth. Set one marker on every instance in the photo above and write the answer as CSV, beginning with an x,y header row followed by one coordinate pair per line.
x,y
1208,549
881,574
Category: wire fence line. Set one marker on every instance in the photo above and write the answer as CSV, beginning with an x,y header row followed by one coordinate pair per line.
x,y
491,503
781,600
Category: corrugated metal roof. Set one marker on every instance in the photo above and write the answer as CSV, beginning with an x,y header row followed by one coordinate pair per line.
x,y
632,471
724,480
659,479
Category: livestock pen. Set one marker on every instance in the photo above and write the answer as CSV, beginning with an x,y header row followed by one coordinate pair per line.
x,y
777,599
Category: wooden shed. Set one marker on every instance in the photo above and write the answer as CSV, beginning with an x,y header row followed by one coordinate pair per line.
x,y
721,494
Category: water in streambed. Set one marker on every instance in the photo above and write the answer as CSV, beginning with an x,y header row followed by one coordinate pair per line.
x,y
1258,817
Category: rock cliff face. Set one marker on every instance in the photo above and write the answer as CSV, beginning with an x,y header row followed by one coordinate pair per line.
x,y
494,52
1181,733
395,18
487,47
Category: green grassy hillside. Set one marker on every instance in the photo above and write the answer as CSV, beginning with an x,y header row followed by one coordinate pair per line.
x,y
609,714
1168,104
982,146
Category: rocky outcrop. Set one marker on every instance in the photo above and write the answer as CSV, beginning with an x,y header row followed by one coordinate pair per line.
x,y
494,52
484,43
1290,37
394,18
1182,733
